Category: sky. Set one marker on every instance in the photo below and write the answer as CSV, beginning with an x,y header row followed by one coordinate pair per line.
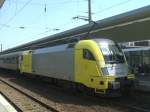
x,y
22,21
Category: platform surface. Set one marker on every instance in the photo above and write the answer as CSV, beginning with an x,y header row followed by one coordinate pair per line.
x,y
144,82
5,106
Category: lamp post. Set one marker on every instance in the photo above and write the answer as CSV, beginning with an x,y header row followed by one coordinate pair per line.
x,y
1,47
89,11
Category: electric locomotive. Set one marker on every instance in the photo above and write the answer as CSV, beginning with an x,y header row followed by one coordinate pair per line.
x,y
98,64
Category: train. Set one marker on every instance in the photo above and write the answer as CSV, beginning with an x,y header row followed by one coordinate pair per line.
x,y
97,64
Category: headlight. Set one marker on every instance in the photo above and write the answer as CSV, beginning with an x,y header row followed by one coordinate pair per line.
x,y
105,71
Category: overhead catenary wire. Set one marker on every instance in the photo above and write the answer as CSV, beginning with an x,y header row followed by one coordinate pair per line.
x,y
44,32
45,10
45,14
16,6
45,4
113,6
108,8
20,10
48,4
13,27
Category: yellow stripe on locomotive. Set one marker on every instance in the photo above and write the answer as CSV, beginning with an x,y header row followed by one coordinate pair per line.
x,y
26,62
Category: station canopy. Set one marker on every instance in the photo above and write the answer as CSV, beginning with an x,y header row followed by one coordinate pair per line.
x,y
129,26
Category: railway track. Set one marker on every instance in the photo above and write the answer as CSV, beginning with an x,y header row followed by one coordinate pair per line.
x,y
124,105
120,103
29,103
136,108
136,102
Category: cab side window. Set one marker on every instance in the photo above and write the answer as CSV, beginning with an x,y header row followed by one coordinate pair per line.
x,y
88,55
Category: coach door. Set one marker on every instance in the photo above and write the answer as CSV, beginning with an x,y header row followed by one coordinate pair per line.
x,y
26,62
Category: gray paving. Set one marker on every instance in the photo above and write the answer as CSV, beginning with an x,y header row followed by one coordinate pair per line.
x,y
144,82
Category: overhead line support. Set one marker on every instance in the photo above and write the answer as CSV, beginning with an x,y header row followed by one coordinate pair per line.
x,y
89,11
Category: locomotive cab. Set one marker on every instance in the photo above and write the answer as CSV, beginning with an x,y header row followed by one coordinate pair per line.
x,y
101,65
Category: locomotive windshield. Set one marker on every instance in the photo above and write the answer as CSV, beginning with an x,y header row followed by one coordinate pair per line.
x,y
112,53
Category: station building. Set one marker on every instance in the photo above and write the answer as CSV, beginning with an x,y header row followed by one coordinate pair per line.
x,y
138,55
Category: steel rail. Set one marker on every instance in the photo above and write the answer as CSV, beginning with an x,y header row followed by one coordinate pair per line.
x,y
29,96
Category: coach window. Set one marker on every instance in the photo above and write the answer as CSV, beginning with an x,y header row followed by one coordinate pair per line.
x,y
88,55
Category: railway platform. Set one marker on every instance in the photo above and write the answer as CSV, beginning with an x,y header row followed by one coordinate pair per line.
x,y
5,106
144,82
